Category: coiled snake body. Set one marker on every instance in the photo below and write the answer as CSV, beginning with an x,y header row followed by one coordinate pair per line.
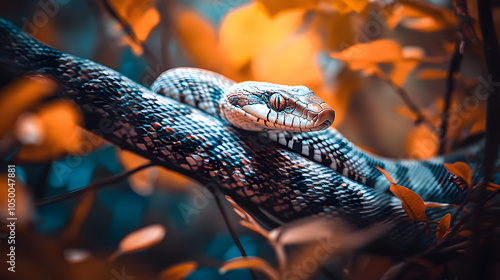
x,y
273,183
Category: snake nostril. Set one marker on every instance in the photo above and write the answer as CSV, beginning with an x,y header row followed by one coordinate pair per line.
x,y
326,123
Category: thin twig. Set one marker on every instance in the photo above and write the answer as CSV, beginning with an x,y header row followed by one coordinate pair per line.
x,y
232,231
421,118
104,182
454,68
148,54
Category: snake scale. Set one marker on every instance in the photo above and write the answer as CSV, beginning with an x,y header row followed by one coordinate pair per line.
x,y
276,183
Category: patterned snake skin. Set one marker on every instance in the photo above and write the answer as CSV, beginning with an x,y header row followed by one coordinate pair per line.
x,y
209,91
273,183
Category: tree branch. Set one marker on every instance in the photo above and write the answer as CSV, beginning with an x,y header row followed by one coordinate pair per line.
x,y
454,68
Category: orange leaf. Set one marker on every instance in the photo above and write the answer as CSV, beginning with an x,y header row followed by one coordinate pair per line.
x,y
424,24
274,64
54,130
140,239
144,182
407,113
432,74
401,70
274,7
443,227
412,203
492,187
356,5
249,29
20,95
79,215
465,233
461,170
248,221
250,263
178,271
198,38
421,16
387,176
378,51
438,205
141,15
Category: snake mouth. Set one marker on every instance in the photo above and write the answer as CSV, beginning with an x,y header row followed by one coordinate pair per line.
x,y
326,123
323,119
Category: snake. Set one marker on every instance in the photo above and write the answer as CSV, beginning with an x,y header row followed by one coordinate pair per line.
x,y
275,109
278,178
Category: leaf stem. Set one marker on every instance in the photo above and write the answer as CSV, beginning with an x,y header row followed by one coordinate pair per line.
x,y
102,183
231,230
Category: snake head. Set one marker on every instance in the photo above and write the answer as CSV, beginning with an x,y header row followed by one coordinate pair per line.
x,y
264,106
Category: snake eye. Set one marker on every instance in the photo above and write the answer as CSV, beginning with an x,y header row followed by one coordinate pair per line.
x,y
277,102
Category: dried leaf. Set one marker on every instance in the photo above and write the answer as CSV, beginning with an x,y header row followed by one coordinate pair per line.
x,y
248,221
306,230
424,24
421,16
432,74
141,182
412,203
443,227
274,7
401,70
387,176
79,215
407,113
179,271
21,95
140,239
377,51
198,38
248,30
141,15
438,205
492,187
274,64
144,182
461,170
250,263
59,124
465,233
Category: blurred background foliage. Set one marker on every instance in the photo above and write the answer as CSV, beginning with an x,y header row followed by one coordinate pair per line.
x,y
362,57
